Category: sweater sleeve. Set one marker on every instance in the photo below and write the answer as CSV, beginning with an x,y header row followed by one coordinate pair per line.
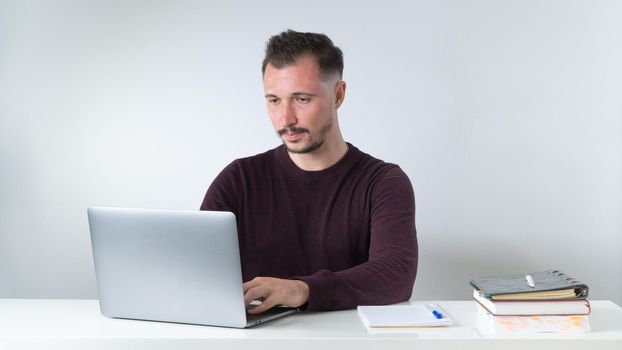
x,y
223,193
389,274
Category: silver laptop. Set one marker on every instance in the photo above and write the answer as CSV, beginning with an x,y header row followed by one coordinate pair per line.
x,y
170,265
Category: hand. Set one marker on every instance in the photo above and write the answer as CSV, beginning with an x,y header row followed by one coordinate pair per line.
x,y
275,291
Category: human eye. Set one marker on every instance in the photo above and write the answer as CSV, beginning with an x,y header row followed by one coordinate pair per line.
x,y
272,100
303,99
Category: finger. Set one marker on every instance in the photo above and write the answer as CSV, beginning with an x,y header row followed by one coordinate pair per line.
x,y
255,293
250,284
250,295
267,304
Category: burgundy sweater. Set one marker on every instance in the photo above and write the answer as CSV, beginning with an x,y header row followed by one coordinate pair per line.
x,y
347,231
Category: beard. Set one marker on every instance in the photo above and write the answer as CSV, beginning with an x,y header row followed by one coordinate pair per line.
x,y
309,145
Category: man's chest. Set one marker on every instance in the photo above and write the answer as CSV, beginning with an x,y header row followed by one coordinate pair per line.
x,y
324,223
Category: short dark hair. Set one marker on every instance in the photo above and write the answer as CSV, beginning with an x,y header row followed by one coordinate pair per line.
x,y
285,48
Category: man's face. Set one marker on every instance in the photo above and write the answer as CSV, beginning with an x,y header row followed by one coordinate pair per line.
x,y
301,104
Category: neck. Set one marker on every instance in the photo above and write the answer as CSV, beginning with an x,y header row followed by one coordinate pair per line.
x,y
325,156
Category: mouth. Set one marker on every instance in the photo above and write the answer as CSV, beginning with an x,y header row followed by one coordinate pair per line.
x,y
292,134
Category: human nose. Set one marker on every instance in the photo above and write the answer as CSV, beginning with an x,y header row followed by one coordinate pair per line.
x,y
288,115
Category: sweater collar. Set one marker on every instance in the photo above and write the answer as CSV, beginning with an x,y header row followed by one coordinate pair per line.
x,y
341,167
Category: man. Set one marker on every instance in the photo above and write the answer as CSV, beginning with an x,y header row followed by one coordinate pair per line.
x,y
321,225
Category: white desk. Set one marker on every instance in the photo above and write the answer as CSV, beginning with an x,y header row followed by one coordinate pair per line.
x,y
77,324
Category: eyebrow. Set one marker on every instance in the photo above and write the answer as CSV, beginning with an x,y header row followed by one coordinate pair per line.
x,y
303,93
293,94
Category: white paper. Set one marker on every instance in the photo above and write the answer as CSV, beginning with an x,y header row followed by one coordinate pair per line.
x,y
414,315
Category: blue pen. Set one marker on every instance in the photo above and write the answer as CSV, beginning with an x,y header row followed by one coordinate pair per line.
x,y
436,314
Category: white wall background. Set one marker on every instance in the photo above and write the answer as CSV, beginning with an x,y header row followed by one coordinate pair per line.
x,y
506,115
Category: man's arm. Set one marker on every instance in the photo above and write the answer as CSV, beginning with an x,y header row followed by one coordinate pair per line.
x,y
225,191
223,195
389,274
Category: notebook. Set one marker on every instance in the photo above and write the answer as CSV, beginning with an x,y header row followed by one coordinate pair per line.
x,y
488,325
541,285
170,265
533,307
409,315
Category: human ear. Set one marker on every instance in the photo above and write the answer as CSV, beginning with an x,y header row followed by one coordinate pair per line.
x,y
340,93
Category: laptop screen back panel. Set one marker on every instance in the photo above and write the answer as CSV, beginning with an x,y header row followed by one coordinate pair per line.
x,y
174,266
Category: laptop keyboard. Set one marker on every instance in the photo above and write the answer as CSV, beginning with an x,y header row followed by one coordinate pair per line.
x,y
272,311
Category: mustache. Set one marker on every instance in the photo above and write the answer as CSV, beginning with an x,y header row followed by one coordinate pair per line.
x,y
293,129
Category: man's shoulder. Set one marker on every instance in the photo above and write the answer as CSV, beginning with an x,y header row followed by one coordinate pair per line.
x,y
258,162
376,166
260,158
384,178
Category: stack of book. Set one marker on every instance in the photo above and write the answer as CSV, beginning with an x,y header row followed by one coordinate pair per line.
x,y
538,302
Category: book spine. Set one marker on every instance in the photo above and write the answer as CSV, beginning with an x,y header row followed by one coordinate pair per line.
x,y
587,304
